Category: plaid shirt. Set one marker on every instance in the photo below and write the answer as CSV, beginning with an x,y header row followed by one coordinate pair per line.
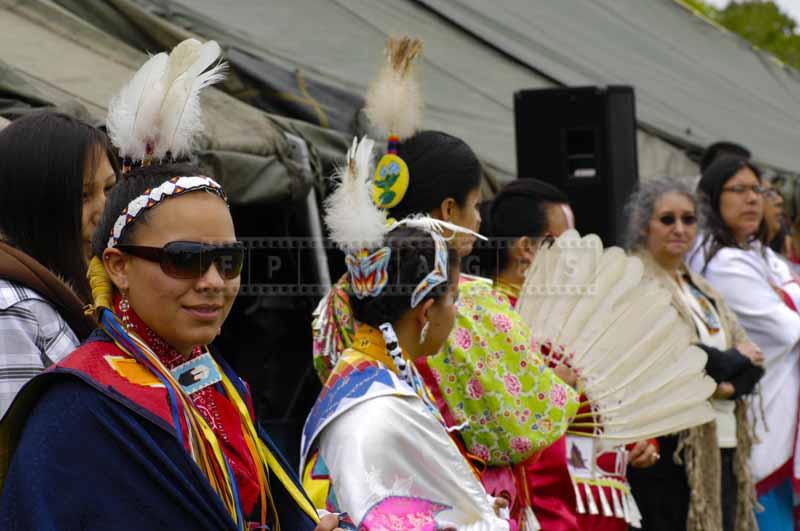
x,y
32,336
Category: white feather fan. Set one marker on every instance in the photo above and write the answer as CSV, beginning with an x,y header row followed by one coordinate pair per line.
x,y
394,103
355,222
621,336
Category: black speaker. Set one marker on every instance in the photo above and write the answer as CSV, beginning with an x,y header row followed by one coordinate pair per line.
x,y
583,141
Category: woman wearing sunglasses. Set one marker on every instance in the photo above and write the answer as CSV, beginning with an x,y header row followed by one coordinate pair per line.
x,y
758,286
142,427
702,480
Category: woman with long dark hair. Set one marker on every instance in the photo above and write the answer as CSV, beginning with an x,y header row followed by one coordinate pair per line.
x,y
54,176
758,286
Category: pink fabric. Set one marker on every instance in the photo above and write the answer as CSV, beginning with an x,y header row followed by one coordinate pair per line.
x,y
402,514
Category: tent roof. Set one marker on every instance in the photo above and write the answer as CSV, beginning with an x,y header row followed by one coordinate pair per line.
x,y
468,86
695,83
54,58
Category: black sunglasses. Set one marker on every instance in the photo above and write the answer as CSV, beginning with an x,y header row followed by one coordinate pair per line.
x,y
187,260
686,219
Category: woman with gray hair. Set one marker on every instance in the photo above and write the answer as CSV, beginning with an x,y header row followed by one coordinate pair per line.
x,y
691,488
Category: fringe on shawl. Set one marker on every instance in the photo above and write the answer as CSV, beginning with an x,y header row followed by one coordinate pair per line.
x,y
701,459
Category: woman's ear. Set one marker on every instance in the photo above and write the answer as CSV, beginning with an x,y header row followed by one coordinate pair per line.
x,y
423,313
526,249
448,209
117,268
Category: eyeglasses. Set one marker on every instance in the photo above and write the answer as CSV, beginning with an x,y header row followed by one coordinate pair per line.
x,y
771,194
741,189
189,260
670,219
547,241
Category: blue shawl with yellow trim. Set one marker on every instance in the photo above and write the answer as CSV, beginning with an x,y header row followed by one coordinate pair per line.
x,y
76,454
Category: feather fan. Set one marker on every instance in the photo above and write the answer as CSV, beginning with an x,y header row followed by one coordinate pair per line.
x,y
394,103
630,350
350,214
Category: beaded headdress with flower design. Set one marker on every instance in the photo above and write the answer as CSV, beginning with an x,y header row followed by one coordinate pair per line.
x,y
359,227
394,106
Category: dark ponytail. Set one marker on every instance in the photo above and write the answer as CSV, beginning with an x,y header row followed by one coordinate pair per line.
x,y
439,166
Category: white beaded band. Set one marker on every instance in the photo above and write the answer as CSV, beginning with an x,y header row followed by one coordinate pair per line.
x,y
153,196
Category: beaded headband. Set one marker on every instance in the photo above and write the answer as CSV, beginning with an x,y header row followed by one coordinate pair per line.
x,y
438,274
368,271
153,196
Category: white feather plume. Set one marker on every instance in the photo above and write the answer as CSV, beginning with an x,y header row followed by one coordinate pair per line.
x,y
631,351
159,109
131,109
354,221
181,58
181,113
429,224
394,102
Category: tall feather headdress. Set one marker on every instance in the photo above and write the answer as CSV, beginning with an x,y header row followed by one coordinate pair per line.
x,y
394,106
157,114
354,221
394,102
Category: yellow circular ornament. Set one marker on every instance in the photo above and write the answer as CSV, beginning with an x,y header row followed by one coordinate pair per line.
x,y
390,182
